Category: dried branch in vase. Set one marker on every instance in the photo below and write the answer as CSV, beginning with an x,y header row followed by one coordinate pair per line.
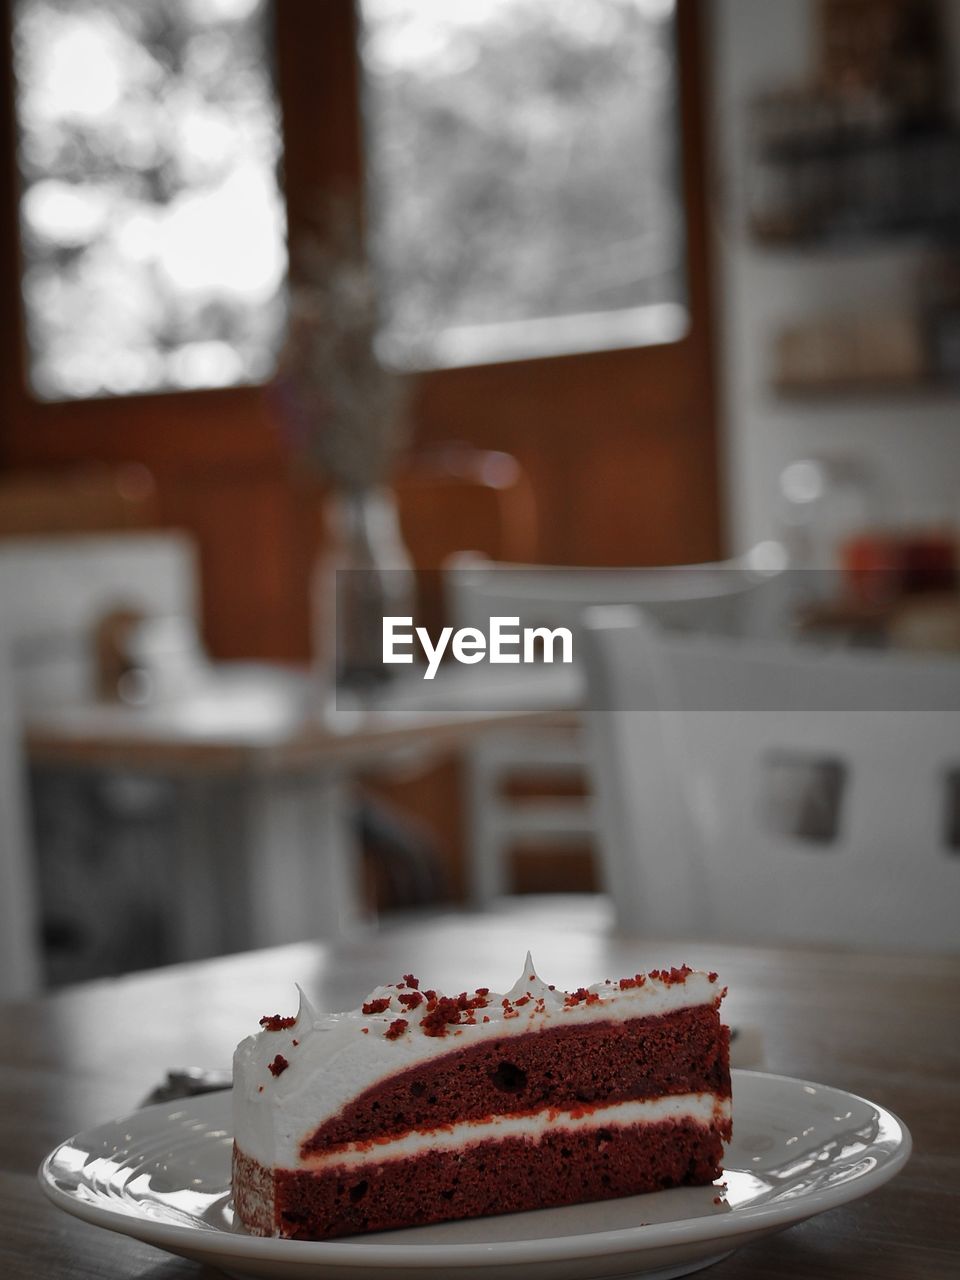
x,y
342,412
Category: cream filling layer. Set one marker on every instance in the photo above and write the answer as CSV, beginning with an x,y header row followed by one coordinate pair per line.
x,y
701,1108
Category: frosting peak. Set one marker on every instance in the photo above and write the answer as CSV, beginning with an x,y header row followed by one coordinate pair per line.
x,y
531,984
307,1015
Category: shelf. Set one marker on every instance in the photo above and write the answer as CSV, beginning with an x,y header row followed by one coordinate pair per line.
x,y
843,146
928,389
856,191
917,238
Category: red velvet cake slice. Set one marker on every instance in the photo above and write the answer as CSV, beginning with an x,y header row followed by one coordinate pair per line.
x,y
420,1107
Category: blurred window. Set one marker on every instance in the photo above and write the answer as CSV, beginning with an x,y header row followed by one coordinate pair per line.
x,y
152,223
523,176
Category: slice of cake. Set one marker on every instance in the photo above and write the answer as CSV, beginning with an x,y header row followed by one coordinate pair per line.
x,y
419,1107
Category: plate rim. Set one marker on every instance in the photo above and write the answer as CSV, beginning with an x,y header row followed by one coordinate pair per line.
x,y
368,1252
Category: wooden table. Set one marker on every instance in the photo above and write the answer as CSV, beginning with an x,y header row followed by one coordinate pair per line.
x,y
263,766
262,718
883,1026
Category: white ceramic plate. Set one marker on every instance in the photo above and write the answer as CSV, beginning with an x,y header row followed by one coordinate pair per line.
x,y
163,1176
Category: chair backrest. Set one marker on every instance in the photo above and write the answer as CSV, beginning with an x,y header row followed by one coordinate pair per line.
x,y
457,497
453,497
55,591
723,597
753,792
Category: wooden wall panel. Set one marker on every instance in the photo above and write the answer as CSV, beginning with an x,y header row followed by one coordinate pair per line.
x,y
253,561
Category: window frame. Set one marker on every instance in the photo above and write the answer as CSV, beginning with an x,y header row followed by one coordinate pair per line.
x,y
315,68
550,333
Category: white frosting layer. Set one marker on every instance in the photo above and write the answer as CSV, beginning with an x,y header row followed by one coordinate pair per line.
x,y
702,1108
334,1057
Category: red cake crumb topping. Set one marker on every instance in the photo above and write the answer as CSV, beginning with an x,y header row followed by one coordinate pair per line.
x,y
295,1043
278,1066
365,1030
445,1011
377,1006
273,1022
669,977
396,1029
628,984
581,996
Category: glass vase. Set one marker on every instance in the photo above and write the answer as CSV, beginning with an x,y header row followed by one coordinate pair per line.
x,y
363,574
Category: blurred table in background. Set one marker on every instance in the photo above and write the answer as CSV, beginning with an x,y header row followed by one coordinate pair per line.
x,y
262,768
879,1025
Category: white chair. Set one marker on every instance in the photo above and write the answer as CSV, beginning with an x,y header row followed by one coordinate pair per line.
x,y
774,793
53,590
19,927
726,597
